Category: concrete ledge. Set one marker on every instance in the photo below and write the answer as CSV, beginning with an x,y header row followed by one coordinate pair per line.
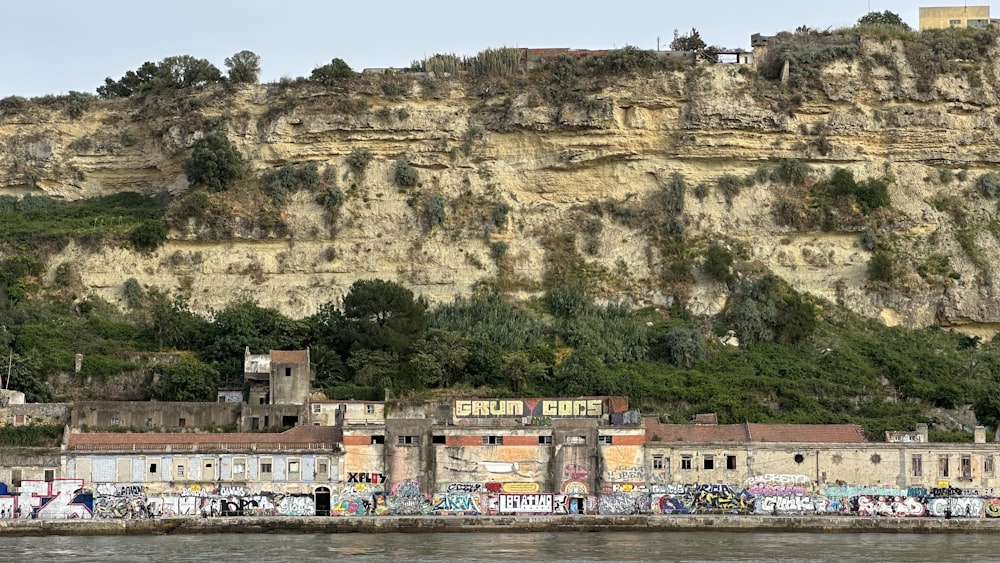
x,y
417,524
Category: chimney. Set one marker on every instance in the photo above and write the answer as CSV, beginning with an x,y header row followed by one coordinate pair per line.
x,y
922,430
979,435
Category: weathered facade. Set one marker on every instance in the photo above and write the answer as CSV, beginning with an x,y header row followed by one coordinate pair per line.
x,y
580,455
954,16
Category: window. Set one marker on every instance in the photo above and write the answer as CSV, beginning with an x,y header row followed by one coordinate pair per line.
x,y
49,475
708,462
378,439
953,23
369,409
731,462
575,440
239,468
685,462
408,440
15,477
293,469
288,372
917,465
261,401
182,422
180,470
115,421
978,24
317,409
322,469
943,465
254,423
266,469
604,439
149,423
152,467
545,439
966,467
657,462
988,469
438,439
492,440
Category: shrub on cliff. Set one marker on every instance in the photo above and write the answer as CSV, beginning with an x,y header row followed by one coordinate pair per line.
x,y
214,162
336,73
989,184
405,175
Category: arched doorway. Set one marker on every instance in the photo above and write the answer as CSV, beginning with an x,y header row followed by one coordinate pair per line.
x,y
322,497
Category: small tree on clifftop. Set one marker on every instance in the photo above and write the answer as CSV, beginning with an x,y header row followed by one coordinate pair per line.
x,y
885,18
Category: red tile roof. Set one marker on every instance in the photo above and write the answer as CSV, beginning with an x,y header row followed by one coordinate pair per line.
x,y
751,432
827,433
289,356
298,438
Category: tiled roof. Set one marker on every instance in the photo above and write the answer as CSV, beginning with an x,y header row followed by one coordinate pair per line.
x,y
828,433
750,432
298,438
289,356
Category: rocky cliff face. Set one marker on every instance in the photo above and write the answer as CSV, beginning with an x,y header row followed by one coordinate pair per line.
x,y
529,187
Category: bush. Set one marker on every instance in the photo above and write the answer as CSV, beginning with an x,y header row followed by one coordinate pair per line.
x,y
792,172
989,184
12,104
336,73
718,263
868,239
880,268
214,162
290,178
434,212
149,235
499,215
405,174
701,191
359,159
672,194
330,198
730,187
186,381
133,294
498,250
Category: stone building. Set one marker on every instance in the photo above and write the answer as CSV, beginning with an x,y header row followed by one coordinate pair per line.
x,y
819,456
293,472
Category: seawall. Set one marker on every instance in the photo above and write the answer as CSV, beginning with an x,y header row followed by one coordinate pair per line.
x,y
441,524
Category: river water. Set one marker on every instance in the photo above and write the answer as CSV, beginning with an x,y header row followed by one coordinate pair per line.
x,y
550,547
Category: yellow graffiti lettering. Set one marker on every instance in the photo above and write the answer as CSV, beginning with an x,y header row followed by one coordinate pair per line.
x,y
581,407
488,408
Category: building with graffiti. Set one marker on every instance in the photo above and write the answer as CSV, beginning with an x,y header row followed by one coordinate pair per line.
x,y
484,456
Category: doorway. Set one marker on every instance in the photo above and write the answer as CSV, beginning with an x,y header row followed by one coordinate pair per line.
x,y
322,497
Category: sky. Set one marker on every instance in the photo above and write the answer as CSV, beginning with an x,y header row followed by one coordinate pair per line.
x,y
57,46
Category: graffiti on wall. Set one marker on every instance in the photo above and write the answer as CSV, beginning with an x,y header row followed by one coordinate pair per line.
x,y
366,478
60,498
528,408
529,503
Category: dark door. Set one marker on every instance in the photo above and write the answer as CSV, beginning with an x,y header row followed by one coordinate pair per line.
x,y
322,496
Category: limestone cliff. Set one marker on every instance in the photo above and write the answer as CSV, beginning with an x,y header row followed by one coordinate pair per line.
x,y
553,168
